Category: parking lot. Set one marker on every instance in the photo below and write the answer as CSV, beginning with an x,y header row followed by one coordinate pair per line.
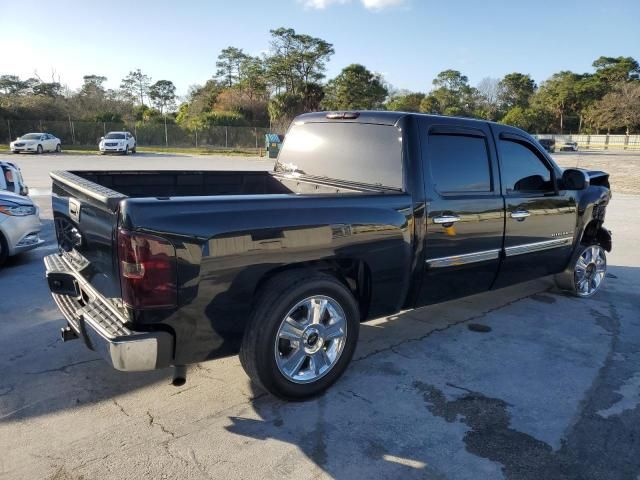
x,y
552,390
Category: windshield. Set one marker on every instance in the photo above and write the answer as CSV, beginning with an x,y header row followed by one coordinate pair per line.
x,y
31,136
115,136
9,179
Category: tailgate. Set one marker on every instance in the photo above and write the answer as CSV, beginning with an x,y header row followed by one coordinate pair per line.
x,y
86,220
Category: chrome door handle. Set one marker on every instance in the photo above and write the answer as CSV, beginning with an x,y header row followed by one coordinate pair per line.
x,y
443,219
520,214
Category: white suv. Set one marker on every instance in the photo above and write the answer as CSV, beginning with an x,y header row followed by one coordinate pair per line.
x,y
121,142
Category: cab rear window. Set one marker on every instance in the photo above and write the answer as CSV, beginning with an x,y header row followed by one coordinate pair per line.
x,y
355,152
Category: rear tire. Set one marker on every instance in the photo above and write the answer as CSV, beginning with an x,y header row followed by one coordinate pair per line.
x,y
133,150
301,335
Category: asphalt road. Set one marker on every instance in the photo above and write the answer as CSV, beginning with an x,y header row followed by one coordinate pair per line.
x,y
552,391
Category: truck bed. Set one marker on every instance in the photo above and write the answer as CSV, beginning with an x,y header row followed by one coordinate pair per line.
x,y
141,184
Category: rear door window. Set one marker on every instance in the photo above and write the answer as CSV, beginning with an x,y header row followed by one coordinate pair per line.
x,y
459,164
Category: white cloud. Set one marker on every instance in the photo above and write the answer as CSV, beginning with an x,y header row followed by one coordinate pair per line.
x,y
380,4
320,4
368,4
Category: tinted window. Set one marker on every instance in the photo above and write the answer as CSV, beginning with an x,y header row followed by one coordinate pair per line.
x,y
522,170
459,163
363,153
115,136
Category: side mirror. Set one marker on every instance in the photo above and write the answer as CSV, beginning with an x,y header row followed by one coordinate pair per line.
x,y
24,191
574,179
101,138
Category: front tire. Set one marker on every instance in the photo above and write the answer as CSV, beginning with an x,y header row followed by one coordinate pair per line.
x,y
58,148
586,272
126,150
133,150
39,150
301,335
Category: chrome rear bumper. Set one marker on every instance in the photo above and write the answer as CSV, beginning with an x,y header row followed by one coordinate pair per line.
x,y
102,326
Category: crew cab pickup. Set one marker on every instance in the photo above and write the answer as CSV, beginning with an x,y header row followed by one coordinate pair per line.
x,y
364,214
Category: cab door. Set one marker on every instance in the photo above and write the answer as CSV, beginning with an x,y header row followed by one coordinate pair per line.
x,y
540,220
465,210
51,142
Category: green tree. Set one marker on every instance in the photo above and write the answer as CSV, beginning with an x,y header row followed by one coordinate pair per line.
x,y
559,92
515,90
136,85
429,104
452,95
12,85
296,60
163,95
93,86
613,70
618,109
406,103
229,65
355,88
47,89
252,77
293,69
534,119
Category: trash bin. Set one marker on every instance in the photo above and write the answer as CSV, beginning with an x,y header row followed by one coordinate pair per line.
x,y
272,144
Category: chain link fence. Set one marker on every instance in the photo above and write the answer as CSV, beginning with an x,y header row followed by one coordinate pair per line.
x,y
88,134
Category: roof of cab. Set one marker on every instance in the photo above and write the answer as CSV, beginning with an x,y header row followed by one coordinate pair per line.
x,y
373,116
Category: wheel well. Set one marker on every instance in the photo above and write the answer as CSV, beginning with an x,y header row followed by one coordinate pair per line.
x,y
594,233
354,274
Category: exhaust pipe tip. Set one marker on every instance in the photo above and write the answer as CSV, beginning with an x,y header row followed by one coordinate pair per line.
x,y
67,333
179,376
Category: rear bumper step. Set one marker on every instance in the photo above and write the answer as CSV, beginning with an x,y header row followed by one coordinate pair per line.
x,y
100,325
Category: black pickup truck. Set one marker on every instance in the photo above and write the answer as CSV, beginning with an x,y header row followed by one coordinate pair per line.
x,y
364,214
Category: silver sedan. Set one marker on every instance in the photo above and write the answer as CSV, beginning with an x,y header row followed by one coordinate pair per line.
x,y
19,225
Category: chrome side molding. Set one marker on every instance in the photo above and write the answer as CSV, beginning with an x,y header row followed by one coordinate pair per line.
x,y
494,254
463,259
537,246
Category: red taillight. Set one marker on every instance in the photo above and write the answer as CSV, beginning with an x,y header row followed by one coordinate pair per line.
x,y
147,270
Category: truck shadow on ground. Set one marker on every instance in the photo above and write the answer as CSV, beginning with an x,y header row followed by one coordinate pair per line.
x,y
403,433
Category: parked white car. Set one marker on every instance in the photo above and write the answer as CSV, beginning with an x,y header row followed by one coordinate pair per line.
x,y
36,142
19,225
119,142
569,147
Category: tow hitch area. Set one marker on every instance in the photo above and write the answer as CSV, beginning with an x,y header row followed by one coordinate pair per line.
x,y
179,376
62,283
67,333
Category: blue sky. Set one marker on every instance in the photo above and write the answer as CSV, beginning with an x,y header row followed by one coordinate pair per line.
x,y
408,41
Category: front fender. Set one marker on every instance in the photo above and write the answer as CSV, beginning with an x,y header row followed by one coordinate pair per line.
x,y
604,238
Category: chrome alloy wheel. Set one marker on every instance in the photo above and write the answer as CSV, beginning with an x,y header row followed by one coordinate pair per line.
x,y
590,270
310,339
